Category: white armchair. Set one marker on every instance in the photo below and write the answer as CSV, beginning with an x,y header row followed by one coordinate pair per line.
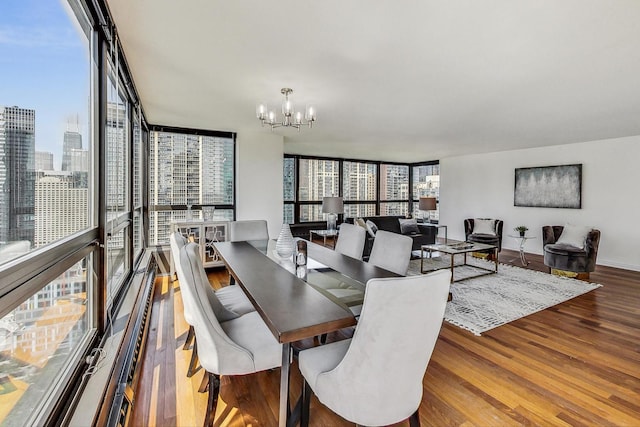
x,y
238,346
397,331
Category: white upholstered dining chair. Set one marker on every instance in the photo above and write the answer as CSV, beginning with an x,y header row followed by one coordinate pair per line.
x,y
375,378
351,240
228,346
232,298
241,231
391,251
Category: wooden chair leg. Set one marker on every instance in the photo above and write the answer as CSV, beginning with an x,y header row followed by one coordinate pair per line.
x,y
204,384
306,403
212,401
414,419
193,364
190,335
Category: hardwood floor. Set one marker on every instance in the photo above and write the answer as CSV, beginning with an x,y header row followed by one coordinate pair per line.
x,y
577,363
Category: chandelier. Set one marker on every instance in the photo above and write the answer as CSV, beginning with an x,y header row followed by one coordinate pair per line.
x,y
290,118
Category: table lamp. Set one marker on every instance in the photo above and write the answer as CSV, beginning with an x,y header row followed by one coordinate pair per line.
x,y
332,206
427,204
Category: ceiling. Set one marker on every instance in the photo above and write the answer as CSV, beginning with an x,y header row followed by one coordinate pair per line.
x,y
392,80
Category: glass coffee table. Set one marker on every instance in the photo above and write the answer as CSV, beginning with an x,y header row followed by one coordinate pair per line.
x,y
461,248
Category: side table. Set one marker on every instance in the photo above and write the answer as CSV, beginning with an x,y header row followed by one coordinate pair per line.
x,y
522,240
324,234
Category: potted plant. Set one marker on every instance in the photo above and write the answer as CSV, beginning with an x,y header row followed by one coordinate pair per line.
x,y
521,229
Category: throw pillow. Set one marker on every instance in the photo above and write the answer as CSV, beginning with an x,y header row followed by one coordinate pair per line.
x,y
361,223
372,228
408,226
574,235
484,226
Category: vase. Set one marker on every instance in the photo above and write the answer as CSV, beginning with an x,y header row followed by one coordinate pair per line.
x,y
522,233
284,244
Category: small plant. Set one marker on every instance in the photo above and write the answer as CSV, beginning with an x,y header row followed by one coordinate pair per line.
x,y
521,229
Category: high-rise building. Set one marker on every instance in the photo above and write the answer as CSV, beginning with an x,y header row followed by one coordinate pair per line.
x,y
17,174
72,141
61,206
44,161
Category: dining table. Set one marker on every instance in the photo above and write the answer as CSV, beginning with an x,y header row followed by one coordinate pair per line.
x,y
298,301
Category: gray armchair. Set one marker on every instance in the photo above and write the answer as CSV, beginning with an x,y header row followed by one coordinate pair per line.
x,y
472,234
562,256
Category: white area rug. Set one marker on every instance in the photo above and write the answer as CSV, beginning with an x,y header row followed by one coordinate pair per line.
x,y
483,303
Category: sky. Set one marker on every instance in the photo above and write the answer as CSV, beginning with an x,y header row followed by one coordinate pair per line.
x,y
44,66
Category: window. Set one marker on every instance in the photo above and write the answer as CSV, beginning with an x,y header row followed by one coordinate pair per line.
x,y
368,188
426,183
394,189
38,339
47,309
289,189
359,186
318,178
44,122
190,171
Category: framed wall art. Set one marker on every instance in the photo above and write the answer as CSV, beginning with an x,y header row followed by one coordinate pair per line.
x,y
549,187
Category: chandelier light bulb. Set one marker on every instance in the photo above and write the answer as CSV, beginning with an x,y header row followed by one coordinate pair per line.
x,y
261,111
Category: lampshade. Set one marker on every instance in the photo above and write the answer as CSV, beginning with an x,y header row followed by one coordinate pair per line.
x,y
427,204
332,204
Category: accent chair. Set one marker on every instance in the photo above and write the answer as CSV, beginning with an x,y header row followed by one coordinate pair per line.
x,y
570,248
484,230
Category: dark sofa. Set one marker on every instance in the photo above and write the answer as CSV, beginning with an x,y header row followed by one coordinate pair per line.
x,y
426,234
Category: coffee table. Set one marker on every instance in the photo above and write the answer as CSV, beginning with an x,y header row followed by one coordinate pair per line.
x,y
461,248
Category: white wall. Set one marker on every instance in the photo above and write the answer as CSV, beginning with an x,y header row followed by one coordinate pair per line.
x,y
259,158
482,186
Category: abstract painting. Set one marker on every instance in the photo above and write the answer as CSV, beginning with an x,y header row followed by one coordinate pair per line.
x,y
549,187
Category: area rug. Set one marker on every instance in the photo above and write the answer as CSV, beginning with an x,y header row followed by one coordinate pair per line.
x,y
483,303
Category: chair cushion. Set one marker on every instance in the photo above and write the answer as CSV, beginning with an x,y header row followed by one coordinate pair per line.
x,y
324,358
484,226
564,249
488,239
574,235
234,299
251,333
408,226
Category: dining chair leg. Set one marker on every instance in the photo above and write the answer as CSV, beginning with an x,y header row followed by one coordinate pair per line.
x,y
190,335
204,384
306,403
194,360
212,401
414,419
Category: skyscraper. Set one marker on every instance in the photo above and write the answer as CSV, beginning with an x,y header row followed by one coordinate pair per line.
x,y
44,161
72,141
17,174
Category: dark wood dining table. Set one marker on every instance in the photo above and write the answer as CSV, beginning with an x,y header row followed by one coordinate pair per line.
x,y
298,302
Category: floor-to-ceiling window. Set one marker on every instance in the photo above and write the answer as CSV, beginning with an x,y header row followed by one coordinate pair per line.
x,y
394,189
191,174
47,203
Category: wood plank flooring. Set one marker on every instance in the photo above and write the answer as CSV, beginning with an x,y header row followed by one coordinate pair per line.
x,y
575,364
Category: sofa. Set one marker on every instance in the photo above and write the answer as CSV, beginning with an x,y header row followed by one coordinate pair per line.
x,y
422,234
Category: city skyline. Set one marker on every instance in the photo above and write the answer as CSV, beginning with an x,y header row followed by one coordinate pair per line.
x,y
44,67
